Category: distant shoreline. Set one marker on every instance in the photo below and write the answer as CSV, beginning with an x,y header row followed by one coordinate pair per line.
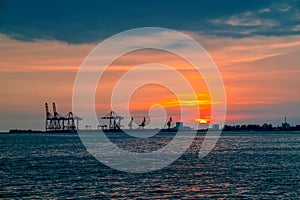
x,y
17,131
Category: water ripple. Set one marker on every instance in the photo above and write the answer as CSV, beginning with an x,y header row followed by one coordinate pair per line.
x,y
245,166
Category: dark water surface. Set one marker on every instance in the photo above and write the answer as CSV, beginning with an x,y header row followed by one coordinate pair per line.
x,y
241,166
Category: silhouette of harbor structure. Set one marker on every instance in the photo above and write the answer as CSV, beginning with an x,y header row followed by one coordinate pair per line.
x,y
112,121
56,122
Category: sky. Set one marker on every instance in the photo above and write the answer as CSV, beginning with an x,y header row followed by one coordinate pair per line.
x,y
255,45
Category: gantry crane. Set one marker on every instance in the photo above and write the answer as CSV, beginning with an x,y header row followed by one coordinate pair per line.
x,y
58,122
114,121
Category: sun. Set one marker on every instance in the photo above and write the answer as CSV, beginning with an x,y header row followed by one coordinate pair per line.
x,y
203,121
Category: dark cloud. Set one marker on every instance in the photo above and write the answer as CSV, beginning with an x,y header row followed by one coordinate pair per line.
x,y
90,21
277,19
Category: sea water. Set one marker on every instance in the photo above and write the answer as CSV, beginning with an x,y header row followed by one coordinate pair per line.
x,y
242,166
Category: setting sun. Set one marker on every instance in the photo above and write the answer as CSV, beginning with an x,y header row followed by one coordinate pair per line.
x,y
202,121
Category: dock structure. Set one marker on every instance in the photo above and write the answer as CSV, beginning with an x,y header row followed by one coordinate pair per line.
x,y
130,123
58,122
169,123
143,123
111,121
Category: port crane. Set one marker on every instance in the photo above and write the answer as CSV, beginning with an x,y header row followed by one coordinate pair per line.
x,y
114,121
58,122
169,123
130,123
143,124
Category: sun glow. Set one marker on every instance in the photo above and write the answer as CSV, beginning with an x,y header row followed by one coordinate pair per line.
x,y
202,121
144,97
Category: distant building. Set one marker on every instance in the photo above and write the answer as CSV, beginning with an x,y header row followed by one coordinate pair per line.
x,y
186,128
285,125
178,126
267,127
216,127
203,126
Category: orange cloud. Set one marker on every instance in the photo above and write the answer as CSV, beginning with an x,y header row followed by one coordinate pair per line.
x,y
154,94
257,71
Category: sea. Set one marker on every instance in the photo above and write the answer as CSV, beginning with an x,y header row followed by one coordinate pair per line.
x,y
245,165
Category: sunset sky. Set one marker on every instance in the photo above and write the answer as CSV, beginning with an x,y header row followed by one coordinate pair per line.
x,y
255,45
